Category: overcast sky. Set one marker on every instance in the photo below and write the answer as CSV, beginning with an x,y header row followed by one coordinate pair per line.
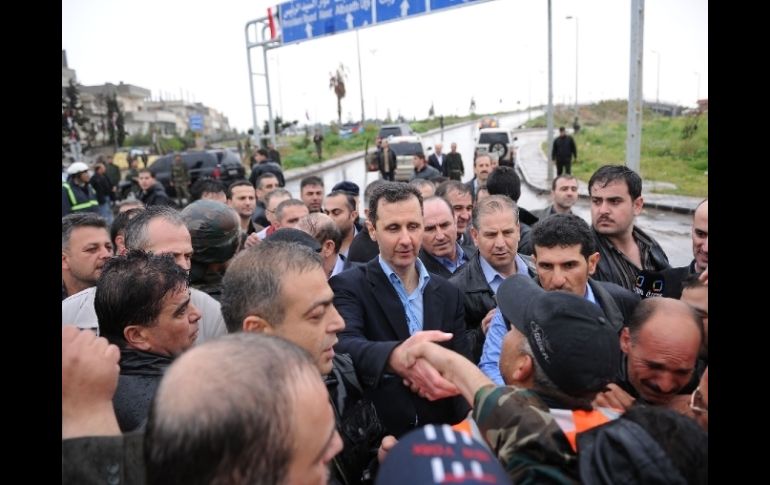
x,y
493,51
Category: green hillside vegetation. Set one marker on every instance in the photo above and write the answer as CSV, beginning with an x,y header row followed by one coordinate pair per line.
x,y
674,150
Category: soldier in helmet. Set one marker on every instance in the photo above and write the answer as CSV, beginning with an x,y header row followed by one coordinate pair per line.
x,y
214,228
180,180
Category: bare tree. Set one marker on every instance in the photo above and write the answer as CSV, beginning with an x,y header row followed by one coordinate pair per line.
x,y
337,83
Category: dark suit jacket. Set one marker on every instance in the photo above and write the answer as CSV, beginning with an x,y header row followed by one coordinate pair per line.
x,y
375,323
433,162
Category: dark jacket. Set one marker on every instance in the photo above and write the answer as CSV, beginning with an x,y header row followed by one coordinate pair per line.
x,y
82,195
434,266
433,162
453,166
357,424
606,270
375,323
563,149
116,460
617,302
102,187
156,195
478,299
140,374
362,249
389,165
673,278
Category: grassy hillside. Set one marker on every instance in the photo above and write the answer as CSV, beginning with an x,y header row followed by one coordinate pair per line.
x,y
674,150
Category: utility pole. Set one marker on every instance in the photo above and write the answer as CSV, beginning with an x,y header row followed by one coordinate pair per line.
x,y
549,115
634,123
360,80
657,82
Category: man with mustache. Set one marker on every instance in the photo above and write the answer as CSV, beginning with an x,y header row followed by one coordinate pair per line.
x,y
625,250
85,247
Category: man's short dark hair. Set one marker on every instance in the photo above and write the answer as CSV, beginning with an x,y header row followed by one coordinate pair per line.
x,y
237,183
235,425
563,230
561,128
392,192
252,283
445,188
70,222
350,200
504,181
612,173
370,188
131,289
121,221
206,185
420,155
311,180
262,152
266,175
564,176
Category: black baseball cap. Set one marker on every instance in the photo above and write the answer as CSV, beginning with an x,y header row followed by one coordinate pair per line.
x,y
571,338
289,234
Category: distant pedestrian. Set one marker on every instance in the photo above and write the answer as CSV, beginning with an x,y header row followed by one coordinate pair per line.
x,y
273,154
318,139
454,168
564,149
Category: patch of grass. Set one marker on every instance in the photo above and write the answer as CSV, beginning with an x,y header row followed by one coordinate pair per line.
x,y
674,150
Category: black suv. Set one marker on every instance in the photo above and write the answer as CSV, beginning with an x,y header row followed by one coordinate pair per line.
x,y
220,164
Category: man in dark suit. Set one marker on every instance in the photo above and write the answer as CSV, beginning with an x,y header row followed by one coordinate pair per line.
x,y
436,160
392,303
441,253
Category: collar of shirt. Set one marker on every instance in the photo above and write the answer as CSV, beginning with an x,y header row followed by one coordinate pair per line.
x,y
412,302
338,266
495,279
450,265
590,295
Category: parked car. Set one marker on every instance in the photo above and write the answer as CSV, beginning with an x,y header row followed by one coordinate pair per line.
x,y
405,147
222,164
494,140
347,130
401,129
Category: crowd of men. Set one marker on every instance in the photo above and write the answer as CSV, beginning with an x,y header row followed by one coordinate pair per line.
x,y
255,337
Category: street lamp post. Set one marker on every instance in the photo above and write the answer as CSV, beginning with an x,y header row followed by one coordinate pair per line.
x,y
657,84
576,64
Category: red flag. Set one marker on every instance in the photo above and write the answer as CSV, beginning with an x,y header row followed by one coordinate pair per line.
x,y
271,22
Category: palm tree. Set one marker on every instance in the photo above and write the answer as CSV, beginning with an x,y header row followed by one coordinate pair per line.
x,y
337,83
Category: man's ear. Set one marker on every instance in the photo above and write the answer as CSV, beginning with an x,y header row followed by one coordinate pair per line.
x,y
137,336
372,231
256,324
638,205
524,371
593,260
327,248
625,340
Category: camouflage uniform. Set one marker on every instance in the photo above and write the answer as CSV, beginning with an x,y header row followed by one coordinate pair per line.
x,y
525,437
214,229
181,178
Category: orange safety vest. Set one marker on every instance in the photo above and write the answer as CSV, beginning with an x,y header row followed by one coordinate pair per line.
x,y
574,422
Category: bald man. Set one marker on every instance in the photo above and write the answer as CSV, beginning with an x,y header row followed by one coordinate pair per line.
x,y
660,347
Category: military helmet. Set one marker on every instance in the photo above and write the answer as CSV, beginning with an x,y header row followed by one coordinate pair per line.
x,y
214,228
